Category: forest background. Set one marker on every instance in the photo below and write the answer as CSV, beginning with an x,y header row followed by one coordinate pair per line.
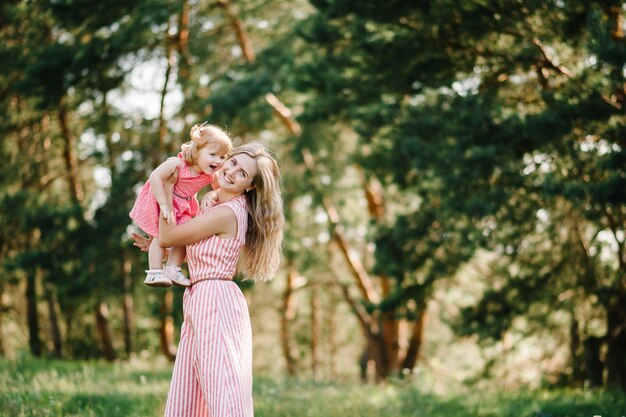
x,y
453,176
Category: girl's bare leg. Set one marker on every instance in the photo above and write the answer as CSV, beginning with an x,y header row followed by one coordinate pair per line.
x,y
155,254
172,269
154,275
176,256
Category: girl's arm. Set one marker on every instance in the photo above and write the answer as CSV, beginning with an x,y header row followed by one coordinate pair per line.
x,y
158,178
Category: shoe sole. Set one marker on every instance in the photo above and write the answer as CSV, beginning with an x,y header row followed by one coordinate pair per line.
x,y
158,284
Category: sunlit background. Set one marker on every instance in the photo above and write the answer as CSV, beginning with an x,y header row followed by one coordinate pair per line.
x,y
453,177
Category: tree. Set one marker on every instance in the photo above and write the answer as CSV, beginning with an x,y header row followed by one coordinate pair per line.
x,y
453,103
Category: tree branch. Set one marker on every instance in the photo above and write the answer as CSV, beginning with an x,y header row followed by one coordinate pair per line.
x,y
362,278
551,60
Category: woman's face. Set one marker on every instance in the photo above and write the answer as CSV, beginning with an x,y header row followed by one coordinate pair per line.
x,y
237,173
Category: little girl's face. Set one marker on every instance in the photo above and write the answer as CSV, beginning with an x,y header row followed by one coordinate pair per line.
x,y
210,159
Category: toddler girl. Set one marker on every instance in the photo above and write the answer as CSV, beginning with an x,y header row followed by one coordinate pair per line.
x,y
198,160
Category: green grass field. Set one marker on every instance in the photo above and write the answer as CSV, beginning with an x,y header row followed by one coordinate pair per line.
x,y
137,388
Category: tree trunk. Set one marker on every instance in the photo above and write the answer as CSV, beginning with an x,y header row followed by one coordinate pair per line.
x,y
415,342
375,198
55,329
380,356
315,330
182,38
2,349
68,316
242,36
159,150
390,327
102,324
128,309
374,353
166,330
128,306
594,368
578,376
332,339
69,155
288,313
617,22
34,340
616,342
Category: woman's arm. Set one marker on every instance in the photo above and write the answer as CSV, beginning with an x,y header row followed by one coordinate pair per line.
x,y
219,221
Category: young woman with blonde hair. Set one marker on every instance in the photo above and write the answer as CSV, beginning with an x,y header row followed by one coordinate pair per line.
x,y
213,369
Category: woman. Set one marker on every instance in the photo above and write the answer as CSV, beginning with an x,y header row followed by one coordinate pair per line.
x,y
213,369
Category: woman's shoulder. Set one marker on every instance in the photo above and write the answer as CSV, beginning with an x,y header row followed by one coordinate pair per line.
x,y
238,205
238,202
234,204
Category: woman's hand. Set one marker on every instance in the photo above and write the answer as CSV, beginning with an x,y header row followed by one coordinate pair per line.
x,y
141,242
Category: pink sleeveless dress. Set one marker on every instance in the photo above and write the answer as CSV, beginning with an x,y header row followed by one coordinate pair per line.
x,y
212,374
145,212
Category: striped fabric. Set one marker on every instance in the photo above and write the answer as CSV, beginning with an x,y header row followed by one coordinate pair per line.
x,y
216,257
213,370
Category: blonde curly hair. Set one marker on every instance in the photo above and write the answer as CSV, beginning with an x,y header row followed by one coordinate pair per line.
x,y
203,135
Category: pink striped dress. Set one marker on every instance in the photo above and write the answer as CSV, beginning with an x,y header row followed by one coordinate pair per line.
x,y
146,209
213,370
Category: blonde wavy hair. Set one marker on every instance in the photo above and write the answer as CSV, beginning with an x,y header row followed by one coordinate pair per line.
x,y
266,220
203,135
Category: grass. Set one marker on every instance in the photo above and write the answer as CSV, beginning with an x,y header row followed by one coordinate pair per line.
x,y
30,387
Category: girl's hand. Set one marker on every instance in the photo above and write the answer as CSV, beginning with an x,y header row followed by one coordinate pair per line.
x,y
166,213
209,200
168,185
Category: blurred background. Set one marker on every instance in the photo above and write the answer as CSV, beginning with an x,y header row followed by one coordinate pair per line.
x,y
453,175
